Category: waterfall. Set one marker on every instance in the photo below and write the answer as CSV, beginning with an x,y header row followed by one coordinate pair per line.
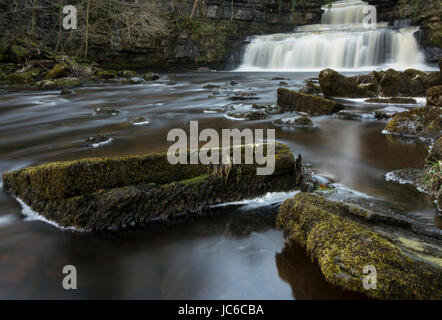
x,y
342,41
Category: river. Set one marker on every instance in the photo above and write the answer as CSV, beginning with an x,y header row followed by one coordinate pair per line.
x,y
234,252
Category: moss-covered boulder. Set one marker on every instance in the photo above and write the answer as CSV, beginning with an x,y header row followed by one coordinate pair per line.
x,y
102,194
59,84
150,76
424,123
344,239
334,84
394,100
434,96
60,70
107,74
290,100
390,83
394,83
25,77
248,115
301,120
311,88
436,151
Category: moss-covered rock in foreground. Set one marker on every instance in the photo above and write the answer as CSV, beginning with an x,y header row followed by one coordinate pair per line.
x,y
102,194
343,239
290,100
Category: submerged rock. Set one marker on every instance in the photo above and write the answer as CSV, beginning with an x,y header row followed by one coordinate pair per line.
x,y
311,88
354,115
136,80
213,110
247,115
103,111
150,76
127,74
299,121
103,194
97,141
390,83
389,112
211,86
269,109
290,100
244,95
345,239
424,123
66,91
396,100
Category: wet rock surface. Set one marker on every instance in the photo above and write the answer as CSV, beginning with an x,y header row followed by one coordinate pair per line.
x,y
96,141
336,85
389,83
105,111
389,112
423,123
344,238
354,115
301,120
434,96
247,115
396,100
290,100
103,194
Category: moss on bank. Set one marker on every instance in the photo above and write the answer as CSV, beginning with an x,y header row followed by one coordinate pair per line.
x,y
342,247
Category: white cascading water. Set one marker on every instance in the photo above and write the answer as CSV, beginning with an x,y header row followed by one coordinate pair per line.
x,y
341,42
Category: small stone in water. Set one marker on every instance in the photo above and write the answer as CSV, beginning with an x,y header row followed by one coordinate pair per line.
x,y
96,141
139,121
100,111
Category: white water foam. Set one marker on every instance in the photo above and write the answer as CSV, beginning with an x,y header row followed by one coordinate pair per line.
x,y
143,123
31,215
341,42
7,219
100,144
268,199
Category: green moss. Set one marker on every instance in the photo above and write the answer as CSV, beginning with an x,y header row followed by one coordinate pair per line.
x,y
18,53
342,247
67,179
27,77
106,74
420,122
60,70
198,179
291,100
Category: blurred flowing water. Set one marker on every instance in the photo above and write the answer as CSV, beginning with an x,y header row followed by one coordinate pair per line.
x,y
235,252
